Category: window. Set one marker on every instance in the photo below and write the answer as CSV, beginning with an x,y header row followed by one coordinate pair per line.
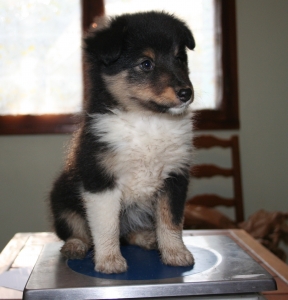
x,y
215,85
226,115
40,64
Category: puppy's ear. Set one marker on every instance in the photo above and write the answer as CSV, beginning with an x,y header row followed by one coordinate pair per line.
x,y
185,35
188,38
105,42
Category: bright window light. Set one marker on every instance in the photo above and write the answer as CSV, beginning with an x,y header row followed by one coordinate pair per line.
x,y
40,52
40,57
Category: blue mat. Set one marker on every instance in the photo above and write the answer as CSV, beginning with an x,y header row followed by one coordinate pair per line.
x,y
146,264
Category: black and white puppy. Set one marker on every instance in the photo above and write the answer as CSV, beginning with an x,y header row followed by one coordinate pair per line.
x,y
127,170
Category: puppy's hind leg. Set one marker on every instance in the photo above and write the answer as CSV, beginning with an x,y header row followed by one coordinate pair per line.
x,y
79,241
145,239
69,217
103,210
74,248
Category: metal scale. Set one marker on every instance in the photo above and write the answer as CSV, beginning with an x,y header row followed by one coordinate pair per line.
x,y
222,270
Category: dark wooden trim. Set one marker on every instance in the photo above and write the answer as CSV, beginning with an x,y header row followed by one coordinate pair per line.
x,y
51,123
91,9
225,117
31,124
237,181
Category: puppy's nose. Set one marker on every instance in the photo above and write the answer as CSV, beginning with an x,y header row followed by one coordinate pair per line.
x,y
184,94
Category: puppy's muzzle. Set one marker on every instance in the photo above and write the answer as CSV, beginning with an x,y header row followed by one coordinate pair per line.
x,y
185,95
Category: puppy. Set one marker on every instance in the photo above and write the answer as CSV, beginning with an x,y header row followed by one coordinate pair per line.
x,y
127,170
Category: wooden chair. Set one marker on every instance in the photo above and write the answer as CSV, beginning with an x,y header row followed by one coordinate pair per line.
x,y
200,210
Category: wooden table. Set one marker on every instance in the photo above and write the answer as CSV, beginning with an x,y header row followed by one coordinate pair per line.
x,y
24,249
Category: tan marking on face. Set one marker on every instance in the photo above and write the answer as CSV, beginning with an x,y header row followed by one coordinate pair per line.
x,y
149,53
127,94
169,96
120,89
132,95
145,94
117,85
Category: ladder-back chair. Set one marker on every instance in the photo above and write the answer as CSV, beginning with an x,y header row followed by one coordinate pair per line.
x,y
200,210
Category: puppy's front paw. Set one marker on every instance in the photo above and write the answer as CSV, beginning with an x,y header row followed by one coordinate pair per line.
x,y
181,257
111,264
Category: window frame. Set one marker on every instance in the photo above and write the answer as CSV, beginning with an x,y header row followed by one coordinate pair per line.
x,y
226,116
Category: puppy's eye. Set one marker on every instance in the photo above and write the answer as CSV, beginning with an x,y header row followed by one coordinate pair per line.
x,y
147,65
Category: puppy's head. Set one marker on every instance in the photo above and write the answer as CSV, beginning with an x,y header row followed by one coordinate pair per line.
x,y
142,60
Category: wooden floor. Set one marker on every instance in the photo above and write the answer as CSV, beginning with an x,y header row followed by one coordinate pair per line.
x,y
24,249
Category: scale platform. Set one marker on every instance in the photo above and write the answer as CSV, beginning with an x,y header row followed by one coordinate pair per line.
x,y
221,268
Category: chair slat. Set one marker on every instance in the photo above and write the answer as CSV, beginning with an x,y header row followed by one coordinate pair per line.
x,y
209,170
209,141
211,200
201,217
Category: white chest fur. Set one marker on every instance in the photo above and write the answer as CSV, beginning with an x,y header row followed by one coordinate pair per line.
x,y
144,149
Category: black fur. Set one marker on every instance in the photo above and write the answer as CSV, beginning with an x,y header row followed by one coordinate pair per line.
x,y
176,188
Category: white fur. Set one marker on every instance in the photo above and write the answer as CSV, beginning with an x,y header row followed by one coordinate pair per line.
x,y
101,207
143,150
146,148
178,110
